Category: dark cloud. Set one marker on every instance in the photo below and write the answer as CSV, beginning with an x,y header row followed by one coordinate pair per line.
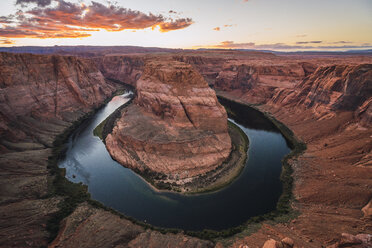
x,y
341,42
6,19
309,42
70,20
40,3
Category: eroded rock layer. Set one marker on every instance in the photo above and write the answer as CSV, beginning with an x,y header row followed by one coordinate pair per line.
x,y
122,68
333,88
332,178
176,127
40,96
39,93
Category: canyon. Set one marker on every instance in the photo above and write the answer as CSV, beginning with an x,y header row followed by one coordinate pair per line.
x,y
325,100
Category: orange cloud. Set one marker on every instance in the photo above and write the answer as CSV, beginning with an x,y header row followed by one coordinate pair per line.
x,y
224,26
309,42
70,20
6,41
174,25
231,44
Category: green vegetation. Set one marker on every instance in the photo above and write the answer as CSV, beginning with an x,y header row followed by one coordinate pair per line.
x,y
108,124
72,193
99,129
244,145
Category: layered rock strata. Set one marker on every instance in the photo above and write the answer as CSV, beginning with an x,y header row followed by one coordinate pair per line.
x,y
121,68
333,89
329,111
332,178
40,96
175,129
112,231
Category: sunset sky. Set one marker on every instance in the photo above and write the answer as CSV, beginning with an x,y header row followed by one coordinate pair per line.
x,y
254,24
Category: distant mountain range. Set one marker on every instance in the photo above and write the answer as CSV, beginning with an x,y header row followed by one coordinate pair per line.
x,y
100,50
86,50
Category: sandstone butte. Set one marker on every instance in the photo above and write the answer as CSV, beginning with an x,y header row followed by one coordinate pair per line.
x,y
176,126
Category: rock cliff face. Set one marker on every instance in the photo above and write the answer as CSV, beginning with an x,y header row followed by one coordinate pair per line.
x,y
330,110
43,93
259,82
39,97
333,88
209,67
176,127
254,76
112,231
125,68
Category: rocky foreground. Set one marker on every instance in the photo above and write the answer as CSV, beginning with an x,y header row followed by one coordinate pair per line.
x,y
176,130
327,106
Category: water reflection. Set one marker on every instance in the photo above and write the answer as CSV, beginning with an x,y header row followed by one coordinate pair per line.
x,y
255,192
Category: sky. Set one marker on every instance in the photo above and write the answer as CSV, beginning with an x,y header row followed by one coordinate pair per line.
x,y
282,25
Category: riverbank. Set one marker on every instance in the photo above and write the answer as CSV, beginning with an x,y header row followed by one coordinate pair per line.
x,y
333,146
251,225
296,145
59,186
214,180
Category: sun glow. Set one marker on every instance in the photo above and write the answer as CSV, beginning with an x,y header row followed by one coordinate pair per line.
x,y
269,24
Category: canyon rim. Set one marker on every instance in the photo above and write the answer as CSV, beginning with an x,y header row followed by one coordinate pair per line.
x,y
196,69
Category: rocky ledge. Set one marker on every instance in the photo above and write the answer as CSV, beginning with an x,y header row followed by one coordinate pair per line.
x,y
175,130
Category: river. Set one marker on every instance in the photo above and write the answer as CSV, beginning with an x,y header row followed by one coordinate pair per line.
x,y
256,191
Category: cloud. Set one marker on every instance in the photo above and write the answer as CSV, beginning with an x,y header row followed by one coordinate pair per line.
x,y
231,44
6,19
309,42
40,3
6,41
224,26
301,35
341,42
175,25
72,20
282,46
